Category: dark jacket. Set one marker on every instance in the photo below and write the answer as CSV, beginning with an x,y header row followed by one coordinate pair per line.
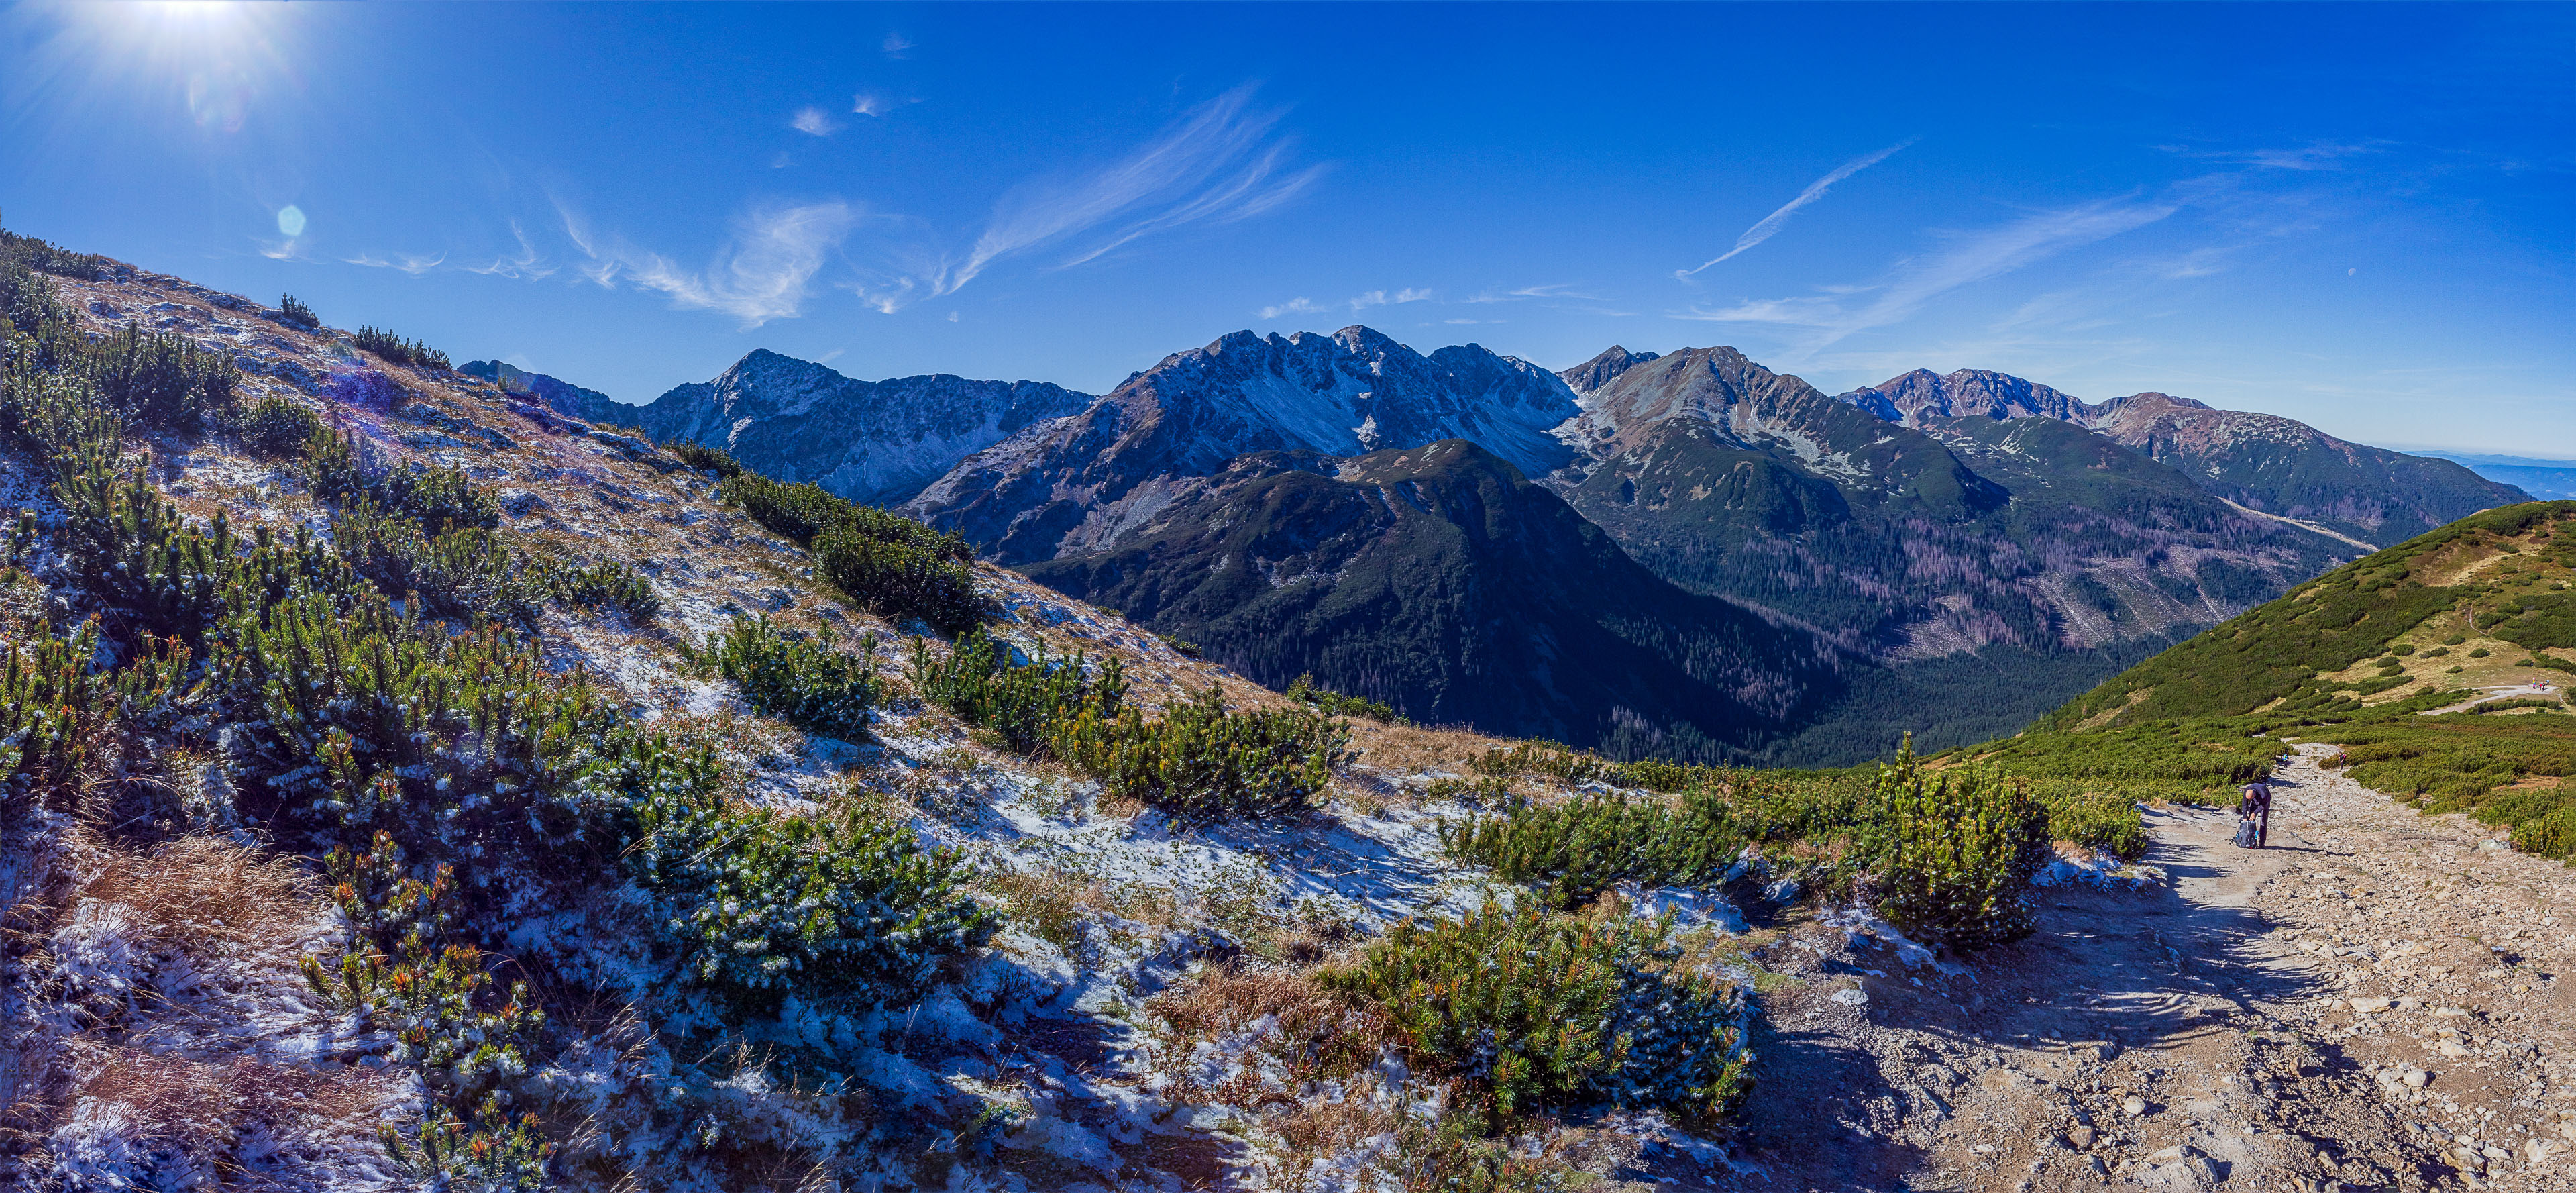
x,y
2257,801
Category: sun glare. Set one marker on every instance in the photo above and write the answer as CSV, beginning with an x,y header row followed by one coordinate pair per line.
x,y
221,53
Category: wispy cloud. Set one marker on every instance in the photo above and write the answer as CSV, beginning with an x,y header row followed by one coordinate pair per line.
x,y
409,263
813,121
1557,290
763,272
1357,302
1294,306
897,45
524,264
1773,222
870,103
1839,312
2320,155
1217,165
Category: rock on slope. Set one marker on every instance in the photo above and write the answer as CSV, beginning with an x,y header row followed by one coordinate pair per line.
x,y
2262,461
1440,581
1081,483
877,442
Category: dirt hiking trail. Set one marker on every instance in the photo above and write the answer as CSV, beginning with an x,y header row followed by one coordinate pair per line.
x,y
2372,1002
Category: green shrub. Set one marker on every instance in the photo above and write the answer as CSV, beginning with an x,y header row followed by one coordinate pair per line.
x,y
1201,762
1951,855
1334,704
704,459
838,909
608,583
399,350
291,309
797,512
46,257
161,380
1554,759
466,573
889,564
803,681
275,428
1026,703
1571,852
54,714
1529,1009
899,577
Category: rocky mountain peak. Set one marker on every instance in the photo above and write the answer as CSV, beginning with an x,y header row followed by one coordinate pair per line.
x,y
1913,397
1603,369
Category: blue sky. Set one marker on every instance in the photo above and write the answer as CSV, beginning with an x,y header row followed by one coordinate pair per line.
x,y
2361,217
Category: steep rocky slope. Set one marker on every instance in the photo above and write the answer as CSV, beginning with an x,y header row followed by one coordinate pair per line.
x,y
1440,581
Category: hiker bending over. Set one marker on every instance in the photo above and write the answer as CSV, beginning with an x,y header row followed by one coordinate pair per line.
x,y
2257,807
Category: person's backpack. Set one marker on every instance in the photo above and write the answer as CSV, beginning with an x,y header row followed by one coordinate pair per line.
x,y
2245,833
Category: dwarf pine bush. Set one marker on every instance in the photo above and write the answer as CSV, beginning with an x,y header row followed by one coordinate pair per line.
x,y
54,712
1573,851
889,564
399,350
1201,762
805,682
467,573
899,575
838,908
1022,703
704,459
1335,704
1529,1009
291,309
1950,855
275,428
608,584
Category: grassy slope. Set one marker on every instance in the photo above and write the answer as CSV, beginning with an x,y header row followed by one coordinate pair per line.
x,y
2369,656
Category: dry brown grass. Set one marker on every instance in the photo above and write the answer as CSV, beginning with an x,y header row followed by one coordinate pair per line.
x,y
1320,1035
203,895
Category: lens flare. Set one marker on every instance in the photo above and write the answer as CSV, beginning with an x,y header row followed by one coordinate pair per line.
x,y
290,220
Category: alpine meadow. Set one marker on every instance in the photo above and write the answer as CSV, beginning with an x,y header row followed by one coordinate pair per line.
x,y
1004,598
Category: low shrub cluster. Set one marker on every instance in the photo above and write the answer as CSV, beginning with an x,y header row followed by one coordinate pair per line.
x,y
1334,704
1569,765
803,681
606,584
889,564
1024,704
291,310
703,458
398,350
446,775
45,256
162,382
465,574
1950,855
837,909
1202,762
1528,1009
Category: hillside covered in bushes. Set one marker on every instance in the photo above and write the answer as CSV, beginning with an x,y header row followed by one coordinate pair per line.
x,y
2439,666
409,785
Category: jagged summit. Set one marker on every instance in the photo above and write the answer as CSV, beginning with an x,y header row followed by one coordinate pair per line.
x,y
1603,369
1081,482
878,442
1967,393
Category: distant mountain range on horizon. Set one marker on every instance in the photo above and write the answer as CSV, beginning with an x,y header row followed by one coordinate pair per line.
x,y
1682,553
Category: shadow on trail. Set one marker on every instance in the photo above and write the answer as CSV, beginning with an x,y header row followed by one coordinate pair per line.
x,y
2128,969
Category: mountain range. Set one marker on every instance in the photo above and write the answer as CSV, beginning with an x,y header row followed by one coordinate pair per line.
x,y
1684,553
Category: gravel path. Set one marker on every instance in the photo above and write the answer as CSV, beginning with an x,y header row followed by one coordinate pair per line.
x,y
2371,1003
